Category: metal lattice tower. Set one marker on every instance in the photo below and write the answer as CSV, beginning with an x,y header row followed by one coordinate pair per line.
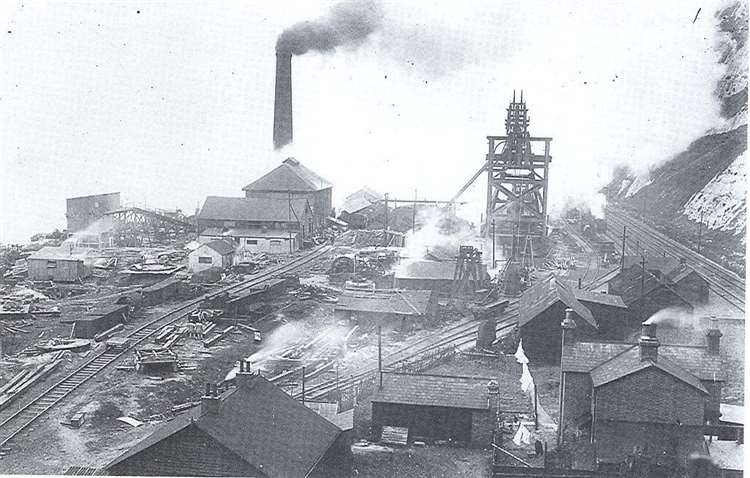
x,y
517,179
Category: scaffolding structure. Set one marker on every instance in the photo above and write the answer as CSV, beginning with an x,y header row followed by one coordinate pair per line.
x,y
517,179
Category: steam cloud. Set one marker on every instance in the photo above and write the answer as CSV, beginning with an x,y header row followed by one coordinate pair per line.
x,y
347,23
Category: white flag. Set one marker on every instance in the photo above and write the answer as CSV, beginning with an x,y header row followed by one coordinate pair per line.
x,y
520,355
527,381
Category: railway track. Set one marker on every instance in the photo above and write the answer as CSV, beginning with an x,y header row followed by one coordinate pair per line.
x,y
49,398
722,281
459,335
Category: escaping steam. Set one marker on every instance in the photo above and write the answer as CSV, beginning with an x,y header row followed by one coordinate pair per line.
x,y
672,317
347,23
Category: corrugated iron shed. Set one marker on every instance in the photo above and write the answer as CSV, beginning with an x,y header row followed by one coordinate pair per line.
x,y
259,209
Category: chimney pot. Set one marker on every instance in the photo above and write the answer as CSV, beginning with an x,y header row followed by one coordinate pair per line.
x,y
568,327
648,343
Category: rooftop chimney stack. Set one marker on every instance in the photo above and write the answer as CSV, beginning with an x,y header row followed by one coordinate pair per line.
x,y
713,337
245,376
282,109
569,326
648,343
210,402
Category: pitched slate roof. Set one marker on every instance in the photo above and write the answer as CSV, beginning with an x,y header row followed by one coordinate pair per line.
x,y
665,265
262,425
447,391
546,293
629,362
253,209
219,245
585,356
404,302
290,175
628,283
599,298
433,270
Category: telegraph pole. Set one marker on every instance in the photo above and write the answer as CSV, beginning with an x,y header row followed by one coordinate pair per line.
x,y
380,357
414,213
289,225
700,229
385,226
493,243
624,237
643,286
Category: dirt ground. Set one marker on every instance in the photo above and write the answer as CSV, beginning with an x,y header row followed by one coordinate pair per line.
x,y
378,461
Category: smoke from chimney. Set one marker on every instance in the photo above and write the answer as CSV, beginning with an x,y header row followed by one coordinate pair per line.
x,y
347,23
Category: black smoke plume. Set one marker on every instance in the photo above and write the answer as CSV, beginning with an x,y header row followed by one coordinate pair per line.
x,y
347,23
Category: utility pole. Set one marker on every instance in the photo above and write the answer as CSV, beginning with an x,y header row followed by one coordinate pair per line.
x,y
643,286
385,225
303,385
700,229
289,223
493,244
414,213
380,358
622,257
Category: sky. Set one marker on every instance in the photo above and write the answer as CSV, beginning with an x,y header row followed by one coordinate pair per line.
x,y
168,102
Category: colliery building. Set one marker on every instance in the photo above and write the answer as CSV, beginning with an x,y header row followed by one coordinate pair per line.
x,y
644,398
257,223
426,275
386,307
85,210
292,179
645,294
59,264
445,407
254,429
673,273
542,306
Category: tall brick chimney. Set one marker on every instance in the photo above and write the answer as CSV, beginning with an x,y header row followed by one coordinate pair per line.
x,y
282,108
713,337
648,343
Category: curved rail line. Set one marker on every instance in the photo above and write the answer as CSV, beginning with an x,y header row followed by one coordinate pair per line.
x,y
724,282
46,400
458,335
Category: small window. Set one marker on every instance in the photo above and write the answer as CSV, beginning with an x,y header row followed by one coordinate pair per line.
x,y
205,260
51,264
276,242
251,242
230,223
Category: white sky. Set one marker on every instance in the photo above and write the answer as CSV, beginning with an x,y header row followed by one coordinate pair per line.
x,y
175,102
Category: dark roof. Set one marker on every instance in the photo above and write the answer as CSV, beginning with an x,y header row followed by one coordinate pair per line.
x,y
585,356
629,362
546,293
664,265
432,270
290,175
253,209
222,247
599,298
404,302
262,425
628,284
447,391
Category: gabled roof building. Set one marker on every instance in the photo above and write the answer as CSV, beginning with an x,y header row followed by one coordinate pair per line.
x,y
639,400
255,429
292,179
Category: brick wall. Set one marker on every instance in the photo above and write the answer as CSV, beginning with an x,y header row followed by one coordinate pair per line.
x,y
542,335
615,440
650,395
577,394
483,424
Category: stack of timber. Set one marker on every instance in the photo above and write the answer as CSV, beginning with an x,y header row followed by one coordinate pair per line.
x,y
25,379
